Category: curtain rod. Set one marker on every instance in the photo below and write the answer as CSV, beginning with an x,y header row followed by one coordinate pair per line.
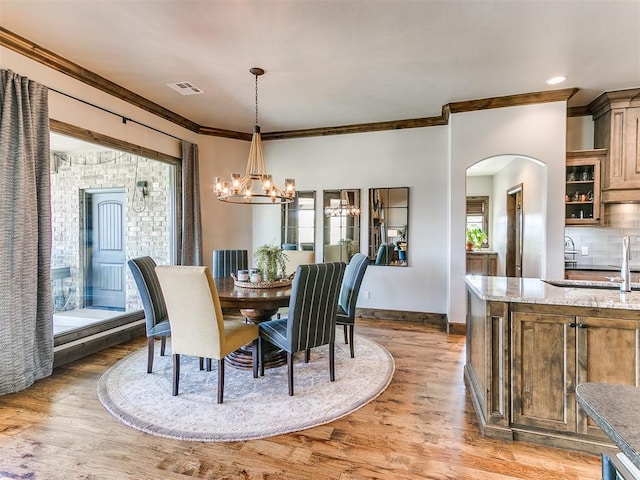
x,y
124,119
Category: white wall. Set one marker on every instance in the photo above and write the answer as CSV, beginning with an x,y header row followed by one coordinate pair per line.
x,y
224,226
414,158
580,133
532,176
537,131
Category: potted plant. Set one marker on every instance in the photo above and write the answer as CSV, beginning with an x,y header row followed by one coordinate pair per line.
x,y
270,259
475,238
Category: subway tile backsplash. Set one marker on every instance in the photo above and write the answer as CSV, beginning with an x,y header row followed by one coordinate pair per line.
x,y
605,243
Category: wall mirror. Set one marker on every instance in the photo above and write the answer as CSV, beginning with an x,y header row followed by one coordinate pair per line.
x,y
299,222
389,226
341,210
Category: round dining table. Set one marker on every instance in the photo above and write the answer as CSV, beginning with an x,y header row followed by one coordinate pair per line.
x,y
256,305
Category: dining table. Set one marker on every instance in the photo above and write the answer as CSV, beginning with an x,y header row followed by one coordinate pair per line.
x,y
256,305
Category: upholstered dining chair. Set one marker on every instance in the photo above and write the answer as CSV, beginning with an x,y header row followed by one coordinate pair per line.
x,y
311,320
385,254
226,262
197,325
155,310
346,313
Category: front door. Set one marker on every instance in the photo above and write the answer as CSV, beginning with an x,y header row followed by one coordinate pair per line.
x,y
106,249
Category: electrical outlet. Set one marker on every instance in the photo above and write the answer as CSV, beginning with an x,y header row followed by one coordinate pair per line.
x,y
585,250
366,294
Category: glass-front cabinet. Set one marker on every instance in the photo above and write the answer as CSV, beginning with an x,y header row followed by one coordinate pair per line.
x,y
582,194
389,226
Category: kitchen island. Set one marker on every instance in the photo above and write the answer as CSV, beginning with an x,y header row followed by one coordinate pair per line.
x,y
529,343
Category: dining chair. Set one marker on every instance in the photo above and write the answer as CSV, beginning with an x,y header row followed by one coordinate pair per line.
x,y
197,325
311,320
155,309
385,254
346,312
226,262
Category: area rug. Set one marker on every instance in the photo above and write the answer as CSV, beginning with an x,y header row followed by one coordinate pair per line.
x,y
252,408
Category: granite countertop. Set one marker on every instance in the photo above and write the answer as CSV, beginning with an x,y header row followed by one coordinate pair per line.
x,y
574,293
605,268
615,409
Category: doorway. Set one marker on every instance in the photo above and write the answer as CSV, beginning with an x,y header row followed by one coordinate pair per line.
x,y
105,249
513,257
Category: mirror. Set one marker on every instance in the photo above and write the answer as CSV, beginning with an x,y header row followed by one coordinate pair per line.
x,y
389,226
341,224
299,222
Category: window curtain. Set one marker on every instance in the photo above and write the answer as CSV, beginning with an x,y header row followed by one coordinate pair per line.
x,y
26,309
190,239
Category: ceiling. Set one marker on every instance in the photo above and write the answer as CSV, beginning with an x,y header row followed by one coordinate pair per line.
x,y
337,62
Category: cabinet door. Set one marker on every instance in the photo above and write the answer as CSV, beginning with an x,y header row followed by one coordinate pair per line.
x,y
582,201
476,264
543,371
607,351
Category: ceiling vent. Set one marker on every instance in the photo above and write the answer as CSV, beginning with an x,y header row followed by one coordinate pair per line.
x,y
185,88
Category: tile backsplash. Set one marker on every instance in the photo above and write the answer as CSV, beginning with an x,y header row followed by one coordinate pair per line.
x,y
604,243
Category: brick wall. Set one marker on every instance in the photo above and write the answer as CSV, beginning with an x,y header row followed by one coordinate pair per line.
x,y
148,221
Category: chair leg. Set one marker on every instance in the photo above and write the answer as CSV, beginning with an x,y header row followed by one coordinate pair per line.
x,y
261,356
332,362
209,367
290,372
163,345
220,379
307,355
150,341
201,363
254,357
345,333
351,346
176,373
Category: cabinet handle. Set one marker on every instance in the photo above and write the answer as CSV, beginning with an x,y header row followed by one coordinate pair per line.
x,y
582,325
572,325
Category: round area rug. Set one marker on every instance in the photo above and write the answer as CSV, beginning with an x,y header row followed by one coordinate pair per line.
x,y
253,407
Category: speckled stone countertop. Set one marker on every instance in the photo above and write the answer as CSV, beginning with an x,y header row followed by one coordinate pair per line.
x,y
573,292
615,408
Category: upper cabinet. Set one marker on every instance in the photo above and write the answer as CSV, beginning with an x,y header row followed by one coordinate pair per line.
x,y
616,117
582,194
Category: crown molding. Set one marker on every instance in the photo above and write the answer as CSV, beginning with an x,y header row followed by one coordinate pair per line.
x,y
56,62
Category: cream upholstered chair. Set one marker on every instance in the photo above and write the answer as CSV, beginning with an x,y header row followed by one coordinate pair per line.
x,y
197,326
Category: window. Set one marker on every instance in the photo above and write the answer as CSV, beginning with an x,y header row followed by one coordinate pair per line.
x,y
107,206
478,215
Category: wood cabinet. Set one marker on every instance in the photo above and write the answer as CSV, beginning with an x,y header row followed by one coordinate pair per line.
x,y
482,263
590,275
582,187
524,362
552,353
616,117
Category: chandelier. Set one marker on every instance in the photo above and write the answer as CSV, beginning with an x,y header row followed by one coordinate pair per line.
x,y
256,186
343,208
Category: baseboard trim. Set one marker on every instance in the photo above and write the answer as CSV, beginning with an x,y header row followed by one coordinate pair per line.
x,y
457,328
422,318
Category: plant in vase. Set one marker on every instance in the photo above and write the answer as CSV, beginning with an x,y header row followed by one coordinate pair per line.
x,y
402,244
475,238
270,259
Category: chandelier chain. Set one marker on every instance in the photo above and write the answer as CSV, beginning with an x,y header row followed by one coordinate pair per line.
x,y
256,99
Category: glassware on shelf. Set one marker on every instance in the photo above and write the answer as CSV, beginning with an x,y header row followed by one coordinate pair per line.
x,y
572,176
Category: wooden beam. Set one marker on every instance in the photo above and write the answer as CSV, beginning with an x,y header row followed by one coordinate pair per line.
x,y
56,62
582,111
111,142
219,132
512,100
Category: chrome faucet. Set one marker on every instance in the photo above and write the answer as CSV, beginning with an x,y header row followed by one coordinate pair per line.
x,y
625,271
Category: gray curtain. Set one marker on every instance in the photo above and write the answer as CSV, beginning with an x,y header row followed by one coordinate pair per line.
x,y
26,310
190,239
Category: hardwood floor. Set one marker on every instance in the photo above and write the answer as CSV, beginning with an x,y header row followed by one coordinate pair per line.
x,y
422,426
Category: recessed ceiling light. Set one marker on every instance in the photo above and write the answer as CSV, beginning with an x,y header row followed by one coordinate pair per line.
x,y
555,80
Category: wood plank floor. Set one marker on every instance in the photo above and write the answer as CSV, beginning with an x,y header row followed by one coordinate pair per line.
x,y
422,426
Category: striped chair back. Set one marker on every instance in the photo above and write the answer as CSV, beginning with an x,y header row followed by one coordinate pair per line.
x,y
226,262
353,276
313,303
144,273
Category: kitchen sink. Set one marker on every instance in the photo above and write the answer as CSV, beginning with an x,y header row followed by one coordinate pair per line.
x,y
589,284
